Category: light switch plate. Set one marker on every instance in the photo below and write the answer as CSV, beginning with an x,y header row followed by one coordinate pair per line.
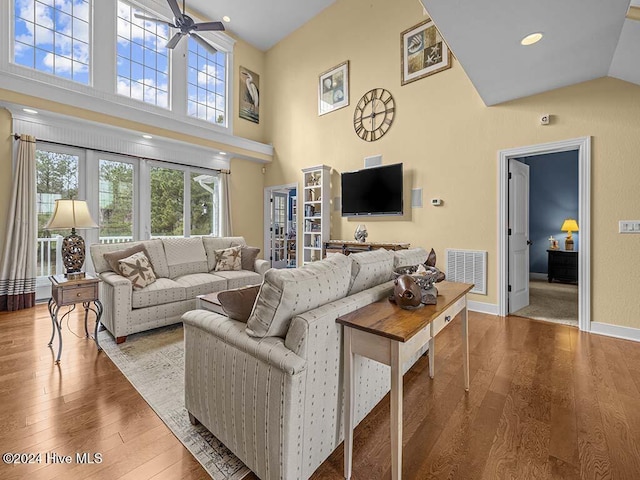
x,y
629,226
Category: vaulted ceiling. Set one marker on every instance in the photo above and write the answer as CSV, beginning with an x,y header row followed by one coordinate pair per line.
x,y
262,23
583,39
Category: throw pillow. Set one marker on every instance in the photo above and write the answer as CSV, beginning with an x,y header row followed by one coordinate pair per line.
x,y
113,258
137,268
228,259
248,257
238,303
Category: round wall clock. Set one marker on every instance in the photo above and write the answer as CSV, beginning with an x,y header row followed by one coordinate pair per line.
x,y
374,114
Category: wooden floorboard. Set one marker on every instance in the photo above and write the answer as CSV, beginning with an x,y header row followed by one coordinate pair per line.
x,y
545,402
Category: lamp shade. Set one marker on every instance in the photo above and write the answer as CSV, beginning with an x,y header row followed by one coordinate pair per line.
x,y
71,214
569,225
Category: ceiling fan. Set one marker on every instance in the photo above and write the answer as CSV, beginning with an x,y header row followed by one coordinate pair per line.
x,y
186,25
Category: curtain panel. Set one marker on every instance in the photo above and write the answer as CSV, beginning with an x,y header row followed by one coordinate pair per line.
x,y
18,268
225,208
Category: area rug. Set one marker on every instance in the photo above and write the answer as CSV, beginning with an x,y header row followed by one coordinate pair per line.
x,y
154,364
557,302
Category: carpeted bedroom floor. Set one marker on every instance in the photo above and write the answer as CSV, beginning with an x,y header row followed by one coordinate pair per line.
x,y
557,302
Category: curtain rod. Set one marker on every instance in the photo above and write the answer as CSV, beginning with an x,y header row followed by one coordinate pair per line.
x,y
140,157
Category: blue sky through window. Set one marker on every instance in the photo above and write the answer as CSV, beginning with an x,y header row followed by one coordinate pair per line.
x,y
142,59
206,84
53,37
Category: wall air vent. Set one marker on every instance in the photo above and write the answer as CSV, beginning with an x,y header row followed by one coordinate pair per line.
x,y
468,266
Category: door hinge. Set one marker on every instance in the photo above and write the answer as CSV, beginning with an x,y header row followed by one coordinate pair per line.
x,y
509,288
509,175
271,199
509,232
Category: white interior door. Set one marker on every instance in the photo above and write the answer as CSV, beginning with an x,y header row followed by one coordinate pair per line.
x,y
519,235
278,230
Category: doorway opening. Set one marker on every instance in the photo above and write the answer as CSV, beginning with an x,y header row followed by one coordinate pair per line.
x,y
281,225
513,273
552,185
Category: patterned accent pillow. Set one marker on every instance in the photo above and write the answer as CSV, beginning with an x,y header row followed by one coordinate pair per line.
x,y
137,268
113,258
229,259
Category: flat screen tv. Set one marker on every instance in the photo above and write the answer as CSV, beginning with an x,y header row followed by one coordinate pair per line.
x,y
372,191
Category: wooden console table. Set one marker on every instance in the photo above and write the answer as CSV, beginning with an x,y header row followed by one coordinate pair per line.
x,y
346,247
390,335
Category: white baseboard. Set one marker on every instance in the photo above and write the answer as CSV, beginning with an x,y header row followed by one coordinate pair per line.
x,y
626,333
538,276
481,307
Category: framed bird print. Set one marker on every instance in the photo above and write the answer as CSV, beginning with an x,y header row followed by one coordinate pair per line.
x,y
249,95
333,88
424,52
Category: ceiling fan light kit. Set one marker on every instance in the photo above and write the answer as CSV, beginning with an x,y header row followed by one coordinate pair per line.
x,y
186,25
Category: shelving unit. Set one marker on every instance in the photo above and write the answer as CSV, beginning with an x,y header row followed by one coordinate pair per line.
x,y
315,210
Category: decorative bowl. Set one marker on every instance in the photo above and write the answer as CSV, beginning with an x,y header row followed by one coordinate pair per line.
x,y
425,280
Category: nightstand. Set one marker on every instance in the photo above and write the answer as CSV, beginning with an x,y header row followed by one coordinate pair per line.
x,y
563,266
66,292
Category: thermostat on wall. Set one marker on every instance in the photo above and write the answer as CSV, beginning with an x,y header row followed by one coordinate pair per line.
x,y
436,202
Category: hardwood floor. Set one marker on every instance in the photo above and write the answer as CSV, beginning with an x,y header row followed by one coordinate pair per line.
x,y
546,402
83,405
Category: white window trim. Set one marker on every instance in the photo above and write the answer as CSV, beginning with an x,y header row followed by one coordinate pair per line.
x,y
100,96
97,136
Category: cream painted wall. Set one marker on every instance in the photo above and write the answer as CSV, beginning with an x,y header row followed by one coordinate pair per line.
x,y
449,142
247,187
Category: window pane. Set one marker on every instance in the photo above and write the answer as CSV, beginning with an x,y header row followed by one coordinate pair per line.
x,y
143,44
205,71
167,202
59,32
204,204
116,201
56,178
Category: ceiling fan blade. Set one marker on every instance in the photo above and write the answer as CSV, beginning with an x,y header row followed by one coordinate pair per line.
x,y
154,20
203,43
209,27
174,40
173,4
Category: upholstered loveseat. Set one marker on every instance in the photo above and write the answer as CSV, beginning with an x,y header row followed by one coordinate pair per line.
x,y
184,268
271,389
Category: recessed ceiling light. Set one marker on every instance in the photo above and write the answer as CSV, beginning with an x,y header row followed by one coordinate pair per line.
x,y
222,153
147,136
531,39
226,19
30,110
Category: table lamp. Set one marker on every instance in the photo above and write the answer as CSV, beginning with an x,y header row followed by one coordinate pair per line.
x,y
72,214
569,225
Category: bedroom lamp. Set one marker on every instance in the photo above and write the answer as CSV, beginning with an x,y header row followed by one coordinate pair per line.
x,y
72,214
569,225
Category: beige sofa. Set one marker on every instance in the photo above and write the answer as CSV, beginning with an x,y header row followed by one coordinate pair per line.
x,y
276,400
184,267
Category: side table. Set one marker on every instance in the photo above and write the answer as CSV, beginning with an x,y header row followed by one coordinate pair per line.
x,y
563,265
66,292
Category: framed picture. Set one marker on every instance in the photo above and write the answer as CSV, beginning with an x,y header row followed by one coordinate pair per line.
x,y
333,89
249,95
424,52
